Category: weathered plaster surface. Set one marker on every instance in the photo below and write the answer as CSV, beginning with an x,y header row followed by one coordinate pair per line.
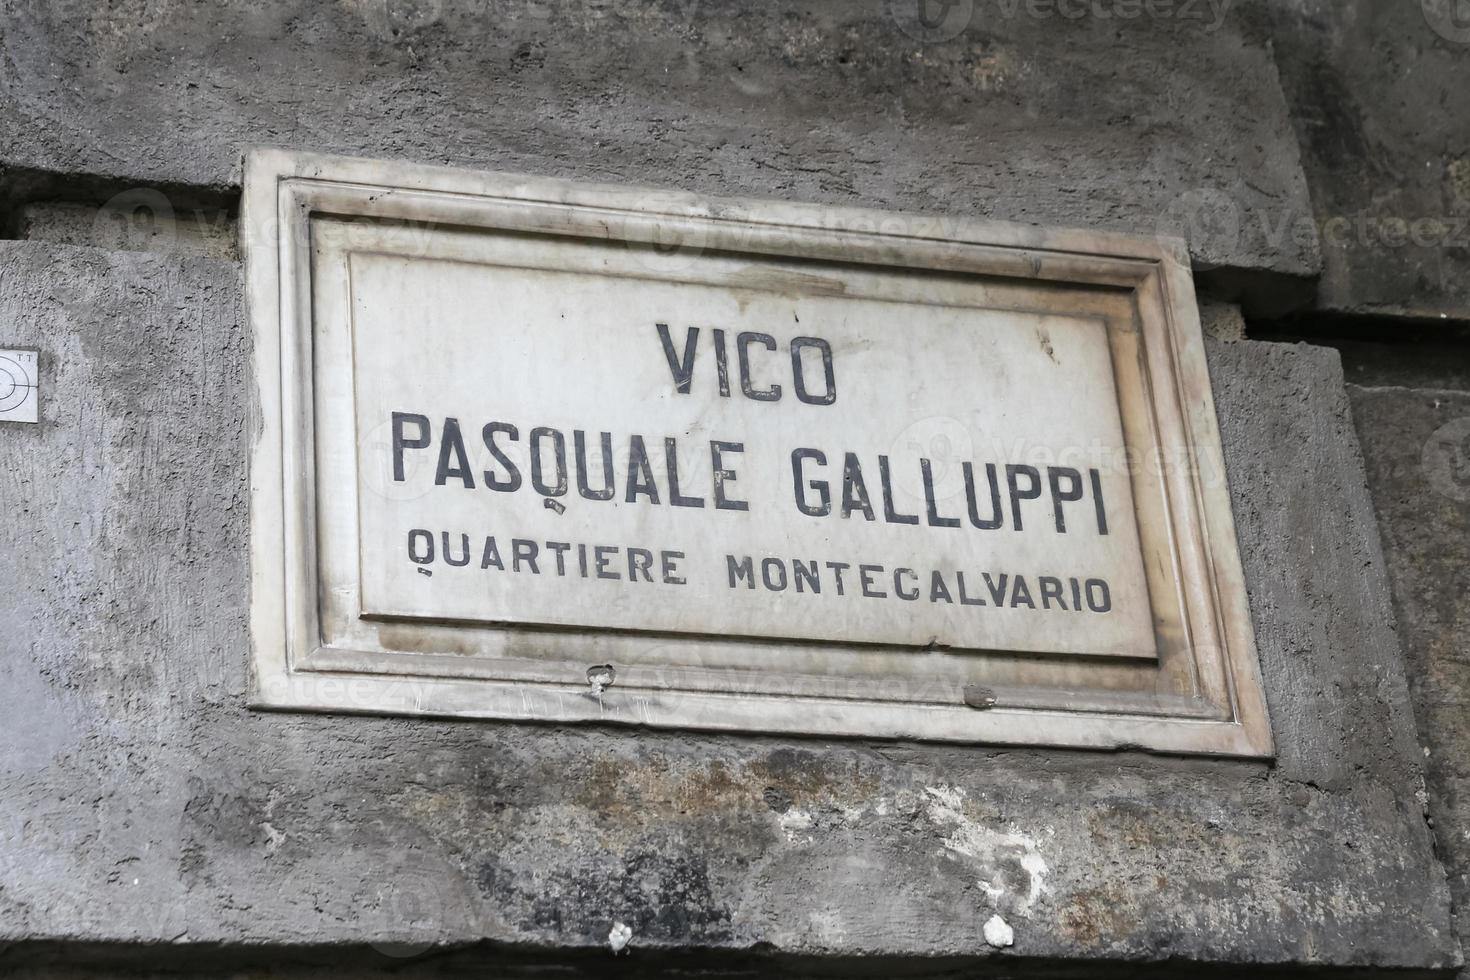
x,y
141,802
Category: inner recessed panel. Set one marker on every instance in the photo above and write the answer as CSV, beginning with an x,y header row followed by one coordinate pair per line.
x,y
785,463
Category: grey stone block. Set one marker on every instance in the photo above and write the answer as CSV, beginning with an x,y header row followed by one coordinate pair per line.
x,y
1136,124
1417,444
1375,90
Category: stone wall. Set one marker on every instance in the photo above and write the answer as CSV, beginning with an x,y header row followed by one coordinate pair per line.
x,y
149,822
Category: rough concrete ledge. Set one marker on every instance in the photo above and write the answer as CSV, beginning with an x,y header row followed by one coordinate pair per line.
x,y
142,804
117,211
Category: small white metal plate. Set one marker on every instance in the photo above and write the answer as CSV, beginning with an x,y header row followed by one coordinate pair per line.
x,y
19,386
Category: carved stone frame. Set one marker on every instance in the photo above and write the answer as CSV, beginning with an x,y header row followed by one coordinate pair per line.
x,y
1208,696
